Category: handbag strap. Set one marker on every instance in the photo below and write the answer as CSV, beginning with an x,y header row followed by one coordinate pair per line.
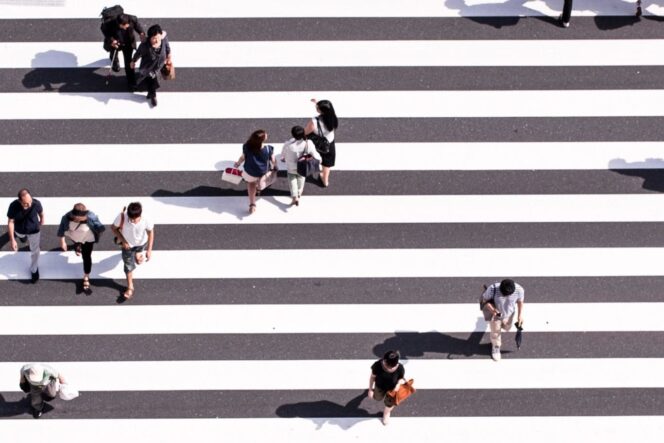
x,y
320,130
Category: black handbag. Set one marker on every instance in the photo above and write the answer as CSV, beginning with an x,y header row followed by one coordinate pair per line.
x,y
308,166
321,143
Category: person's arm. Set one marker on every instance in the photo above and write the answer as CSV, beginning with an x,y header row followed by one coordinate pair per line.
x,y
310,127
372,381
10,232
167,46
41,218
138,27
519,305
137,55
118,233
148,253
239,161
487,296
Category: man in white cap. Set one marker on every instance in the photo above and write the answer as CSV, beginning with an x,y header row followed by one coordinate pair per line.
x,y
41,382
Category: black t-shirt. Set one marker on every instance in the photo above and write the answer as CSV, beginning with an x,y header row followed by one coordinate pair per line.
x,y
386,381
26,221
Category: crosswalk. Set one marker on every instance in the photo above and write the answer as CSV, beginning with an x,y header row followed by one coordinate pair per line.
x,y
477,140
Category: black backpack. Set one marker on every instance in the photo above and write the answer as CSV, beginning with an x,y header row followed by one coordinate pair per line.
x,y
110,14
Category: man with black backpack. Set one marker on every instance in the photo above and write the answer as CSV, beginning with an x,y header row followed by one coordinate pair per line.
x,y
119,31
500,302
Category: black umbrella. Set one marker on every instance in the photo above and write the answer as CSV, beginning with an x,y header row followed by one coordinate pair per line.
x,y
519,335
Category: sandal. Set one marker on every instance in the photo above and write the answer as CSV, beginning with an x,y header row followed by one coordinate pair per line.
x,y
86,283
128,294
252,208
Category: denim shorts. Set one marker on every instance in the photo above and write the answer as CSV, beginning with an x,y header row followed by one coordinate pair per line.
x,y
129,257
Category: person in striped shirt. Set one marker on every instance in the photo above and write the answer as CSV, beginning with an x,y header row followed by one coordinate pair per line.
x,y
501,301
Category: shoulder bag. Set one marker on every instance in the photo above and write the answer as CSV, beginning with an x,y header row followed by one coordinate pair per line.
x,y
405,390
321,143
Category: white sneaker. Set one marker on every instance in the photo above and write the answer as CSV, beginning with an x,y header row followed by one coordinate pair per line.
x,y
495,353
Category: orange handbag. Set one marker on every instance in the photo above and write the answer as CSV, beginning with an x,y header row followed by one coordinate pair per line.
x,y
405,391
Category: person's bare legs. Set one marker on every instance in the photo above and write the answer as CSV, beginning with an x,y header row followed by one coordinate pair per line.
x,y
325,176
386,414
251,190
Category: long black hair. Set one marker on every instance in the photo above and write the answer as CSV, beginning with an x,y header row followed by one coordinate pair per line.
x,y
327,114
255,142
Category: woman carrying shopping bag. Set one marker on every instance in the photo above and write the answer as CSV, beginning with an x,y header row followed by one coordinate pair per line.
x,y
258,160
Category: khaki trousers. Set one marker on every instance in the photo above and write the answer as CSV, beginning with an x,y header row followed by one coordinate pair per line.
x,y
497,326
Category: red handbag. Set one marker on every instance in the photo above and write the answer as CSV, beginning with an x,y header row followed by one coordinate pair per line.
x,y
405,390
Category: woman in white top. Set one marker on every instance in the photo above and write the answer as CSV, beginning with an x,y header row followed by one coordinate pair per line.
x,y
293,149
83,228
328,122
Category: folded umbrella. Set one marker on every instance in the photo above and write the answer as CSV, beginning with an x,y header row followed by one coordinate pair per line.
x,y
519,335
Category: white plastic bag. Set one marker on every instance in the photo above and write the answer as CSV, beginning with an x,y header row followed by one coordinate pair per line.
x,y
67,393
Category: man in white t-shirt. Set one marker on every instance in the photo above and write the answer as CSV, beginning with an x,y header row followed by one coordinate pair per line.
x,y
136,235
501,301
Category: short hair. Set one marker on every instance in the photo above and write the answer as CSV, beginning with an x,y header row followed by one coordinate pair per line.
x,y
123,19
134,210
297,132
154,30
23,192
507,287
391,358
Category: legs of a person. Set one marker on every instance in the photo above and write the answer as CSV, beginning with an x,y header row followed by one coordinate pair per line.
x,y
36,400
128,258
389,405
151,85
506,325
300,185
86,252
127,51
567,11
293,185
495,326
251,191
34,240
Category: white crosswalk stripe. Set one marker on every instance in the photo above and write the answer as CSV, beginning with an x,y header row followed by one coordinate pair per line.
x,y
591,358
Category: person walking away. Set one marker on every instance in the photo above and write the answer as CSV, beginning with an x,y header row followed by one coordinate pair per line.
x,y
386,375
25,217
293,149
154,53
136,235
501,301
325,125
258,158
40,382
120,36
83,228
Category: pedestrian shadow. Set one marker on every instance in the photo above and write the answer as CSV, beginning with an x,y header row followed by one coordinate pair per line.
x,y
87,80
651,170
323,412
19,404
12,408
418,344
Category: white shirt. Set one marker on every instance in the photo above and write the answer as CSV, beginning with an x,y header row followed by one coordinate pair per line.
x,y
506,305
329,135
294,149
80,232
136,234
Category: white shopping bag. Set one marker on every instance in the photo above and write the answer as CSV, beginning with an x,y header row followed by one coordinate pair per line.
x,y
66,392
232,175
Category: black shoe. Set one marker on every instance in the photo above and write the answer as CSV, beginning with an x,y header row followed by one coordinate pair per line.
x,y
36,413
131,87
153,101
35,276
116,65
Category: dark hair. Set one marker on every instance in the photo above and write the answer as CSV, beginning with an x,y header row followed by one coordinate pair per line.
x,y
22,192
123,19
507,287
134,210
391,358
327,114
255,141
79,210
297,132
154,30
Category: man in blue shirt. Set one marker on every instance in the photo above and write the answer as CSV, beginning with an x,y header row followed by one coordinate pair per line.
x,y
24,219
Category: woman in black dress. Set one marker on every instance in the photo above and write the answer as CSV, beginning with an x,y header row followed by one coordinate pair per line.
x,y
324,124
